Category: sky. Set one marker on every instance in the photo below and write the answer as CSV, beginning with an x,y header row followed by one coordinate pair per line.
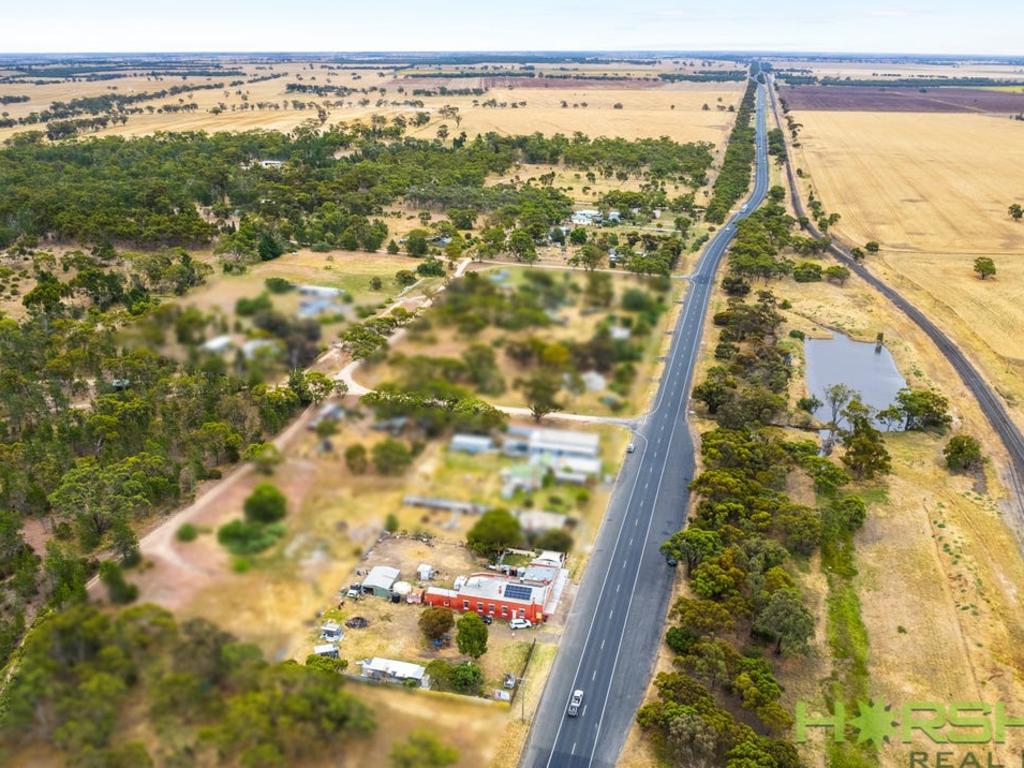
x,y
991,27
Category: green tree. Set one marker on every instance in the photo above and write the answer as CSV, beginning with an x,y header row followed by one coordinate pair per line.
x,y
923,409
838,274
495,531
265,456
467,678
555,540
984,267
872,246
416,242
520,242
541,392
124,541
269,248
788,620
266,504
1016,211
119,590
590,257
471,637
435,622
391,457
421,749
578,236
692,546
865,454
963,453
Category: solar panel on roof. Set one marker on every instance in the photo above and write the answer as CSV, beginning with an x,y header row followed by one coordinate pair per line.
x,y
518,592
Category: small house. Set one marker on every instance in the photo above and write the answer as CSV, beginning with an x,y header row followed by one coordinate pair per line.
x,y
319,291
424,572
392,671
218,344
254,347
522,477
471,444
331,631
329,650
619,333
312,308
327,412
380,581
593,381
538,520
564,442
585,217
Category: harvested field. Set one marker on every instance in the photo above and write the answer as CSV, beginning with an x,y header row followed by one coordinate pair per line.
x,y
840,97
883,69
934,194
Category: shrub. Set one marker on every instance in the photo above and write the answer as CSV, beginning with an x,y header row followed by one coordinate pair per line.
x,y
430,268
557,540
266,504
241,537
962,453
187,532
355,459
807,272
278,284
391,457
246,307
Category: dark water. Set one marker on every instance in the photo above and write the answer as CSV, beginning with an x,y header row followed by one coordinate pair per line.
x,y
841,360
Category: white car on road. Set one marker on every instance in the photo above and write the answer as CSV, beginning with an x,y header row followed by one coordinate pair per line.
x,y
575,703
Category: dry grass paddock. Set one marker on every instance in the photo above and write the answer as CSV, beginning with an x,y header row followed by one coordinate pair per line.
x,y
650,109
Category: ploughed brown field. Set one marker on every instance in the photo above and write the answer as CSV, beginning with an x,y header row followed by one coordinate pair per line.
x,y
867,99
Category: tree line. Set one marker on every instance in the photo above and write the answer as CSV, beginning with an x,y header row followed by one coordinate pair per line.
x,y
733,179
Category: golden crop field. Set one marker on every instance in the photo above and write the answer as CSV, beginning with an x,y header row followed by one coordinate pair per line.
x,y
933,189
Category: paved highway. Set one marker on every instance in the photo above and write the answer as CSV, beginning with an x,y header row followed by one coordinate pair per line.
x,y
616,623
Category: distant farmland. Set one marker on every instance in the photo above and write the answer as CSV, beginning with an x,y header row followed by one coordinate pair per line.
x,y
866,99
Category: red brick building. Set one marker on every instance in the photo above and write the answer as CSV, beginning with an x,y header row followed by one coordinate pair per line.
x,y
531,593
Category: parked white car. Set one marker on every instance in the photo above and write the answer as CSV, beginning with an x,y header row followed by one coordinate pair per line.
x,y
520,624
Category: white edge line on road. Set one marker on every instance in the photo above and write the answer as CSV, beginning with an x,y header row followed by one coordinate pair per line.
x,y
604,582
675,423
